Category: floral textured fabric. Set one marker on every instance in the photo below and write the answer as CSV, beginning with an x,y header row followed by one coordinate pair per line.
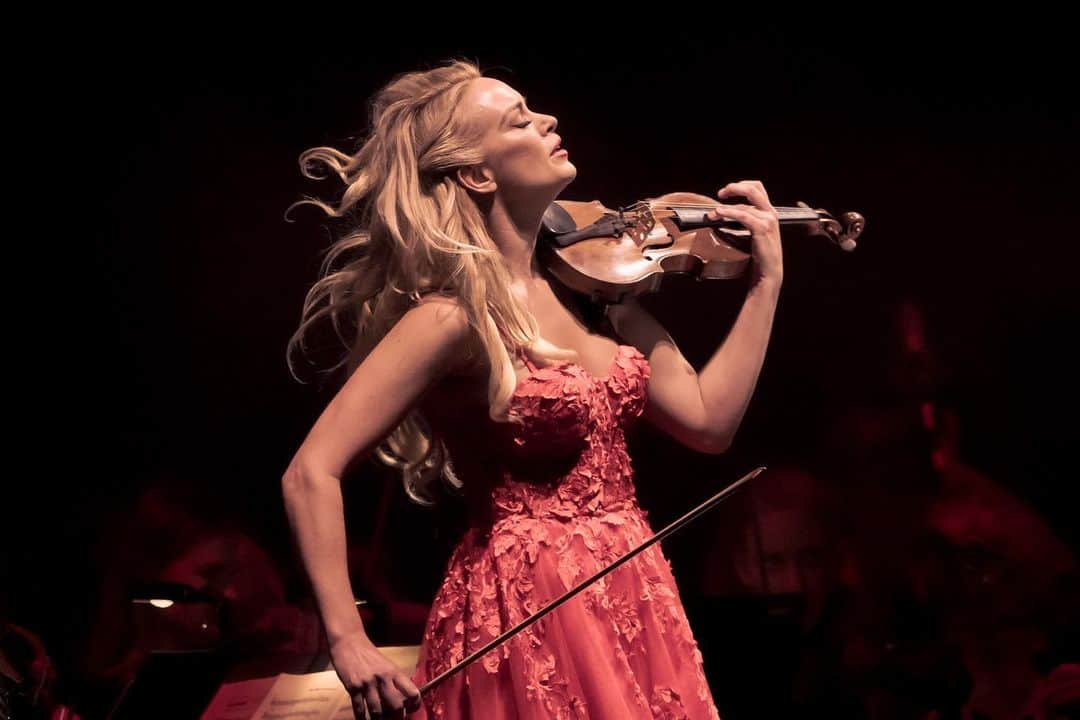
x,y
563,508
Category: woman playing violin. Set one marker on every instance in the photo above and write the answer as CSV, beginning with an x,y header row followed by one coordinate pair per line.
x,y
466,352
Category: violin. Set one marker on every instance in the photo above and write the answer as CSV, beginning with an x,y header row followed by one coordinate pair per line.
x,y
610,255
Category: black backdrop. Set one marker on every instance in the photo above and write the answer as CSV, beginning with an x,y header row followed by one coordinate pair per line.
x,y
956,142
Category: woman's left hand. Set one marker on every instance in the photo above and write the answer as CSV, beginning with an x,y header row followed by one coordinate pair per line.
x,y
760,218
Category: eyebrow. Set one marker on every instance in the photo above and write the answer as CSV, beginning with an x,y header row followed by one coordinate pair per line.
x,y
519,104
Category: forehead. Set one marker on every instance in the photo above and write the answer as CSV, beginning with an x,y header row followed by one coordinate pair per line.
x,y
487,99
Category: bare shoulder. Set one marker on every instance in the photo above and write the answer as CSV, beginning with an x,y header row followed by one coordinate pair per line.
x,y
451,321
445,313
446,321
422,347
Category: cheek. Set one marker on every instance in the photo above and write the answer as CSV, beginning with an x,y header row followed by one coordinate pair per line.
x,y
519,162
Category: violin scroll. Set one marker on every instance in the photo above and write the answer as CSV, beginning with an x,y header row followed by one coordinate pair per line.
x,y
844,232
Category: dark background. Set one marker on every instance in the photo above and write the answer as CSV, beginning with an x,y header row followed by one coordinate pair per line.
x,y
957,143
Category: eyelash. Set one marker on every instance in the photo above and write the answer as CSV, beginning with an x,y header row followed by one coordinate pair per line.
x,y
524,124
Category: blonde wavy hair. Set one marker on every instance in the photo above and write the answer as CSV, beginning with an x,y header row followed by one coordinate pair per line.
x,y
412,228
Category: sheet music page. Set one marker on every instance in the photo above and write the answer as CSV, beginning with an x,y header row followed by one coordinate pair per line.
x,y
238,700
314,696
345,712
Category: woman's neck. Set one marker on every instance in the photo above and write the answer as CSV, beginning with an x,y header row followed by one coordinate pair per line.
x,y
515,233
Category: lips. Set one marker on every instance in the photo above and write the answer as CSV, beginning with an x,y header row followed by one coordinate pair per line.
x,y
558,146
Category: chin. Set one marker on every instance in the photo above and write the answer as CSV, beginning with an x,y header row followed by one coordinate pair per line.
x,y
570,173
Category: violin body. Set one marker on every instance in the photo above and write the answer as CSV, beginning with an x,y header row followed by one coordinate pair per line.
x,y
609,255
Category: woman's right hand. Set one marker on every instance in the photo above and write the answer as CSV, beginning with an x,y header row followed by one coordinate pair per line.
x,y
372,679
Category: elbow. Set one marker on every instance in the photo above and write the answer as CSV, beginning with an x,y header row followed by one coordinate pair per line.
x,y
296,483
716,444
292,486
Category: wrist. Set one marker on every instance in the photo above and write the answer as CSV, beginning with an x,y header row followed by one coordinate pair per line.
x,y
341,627
769,284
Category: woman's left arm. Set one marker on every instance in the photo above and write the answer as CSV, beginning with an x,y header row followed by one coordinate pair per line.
x,y
703,410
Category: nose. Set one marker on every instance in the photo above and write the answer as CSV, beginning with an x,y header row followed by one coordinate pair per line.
x,y
553,122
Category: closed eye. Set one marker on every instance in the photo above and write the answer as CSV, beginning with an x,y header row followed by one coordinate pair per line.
x,y
524,124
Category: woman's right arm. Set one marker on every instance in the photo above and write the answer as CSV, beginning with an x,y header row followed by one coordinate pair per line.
x,y
420,348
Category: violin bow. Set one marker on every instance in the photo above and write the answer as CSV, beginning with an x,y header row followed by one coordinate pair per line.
x,y
671,528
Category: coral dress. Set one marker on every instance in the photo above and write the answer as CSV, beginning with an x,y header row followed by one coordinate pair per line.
x,y
563,507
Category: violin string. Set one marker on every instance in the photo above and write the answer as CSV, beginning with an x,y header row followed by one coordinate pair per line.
x,y
716,205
